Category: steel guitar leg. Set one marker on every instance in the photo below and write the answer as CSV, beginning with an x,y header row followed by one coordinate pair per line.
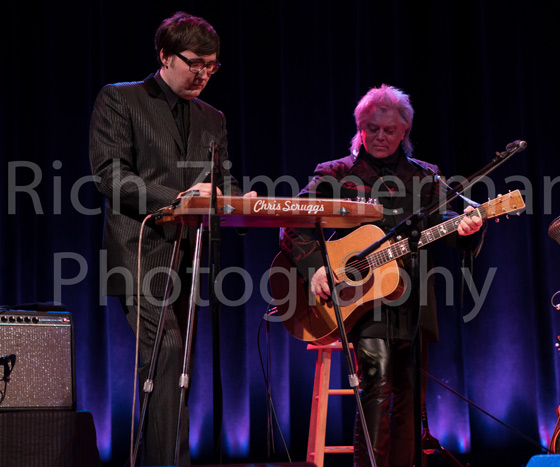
x,y
149,383
184,379
352,377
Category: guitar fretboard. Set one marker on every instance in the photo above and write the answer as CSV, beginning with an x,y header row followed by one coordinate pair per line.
x,y
402,247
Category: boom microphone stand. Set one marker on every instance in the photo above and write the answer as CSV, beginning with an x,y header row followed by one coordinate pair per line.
x,y
431,444
409,228
352,377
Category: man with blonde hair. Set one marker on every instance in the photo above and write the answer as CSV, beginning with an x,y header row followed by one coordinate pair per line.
x,y
380,166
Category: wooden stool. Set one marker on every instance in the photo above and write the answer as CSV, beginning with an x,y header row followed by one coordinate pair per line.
x,y
316,448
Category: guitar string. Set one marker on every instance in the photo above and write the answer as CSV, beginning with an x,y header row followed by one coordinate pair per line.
x,y
453,223
379,258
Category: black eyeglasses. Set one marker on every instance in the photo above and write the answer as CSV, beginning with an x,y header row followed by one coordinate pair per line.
x,y
197,65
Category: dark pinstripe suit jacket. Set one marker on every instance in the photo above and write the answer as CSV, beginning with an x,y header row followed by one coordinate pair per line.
x,y
140,165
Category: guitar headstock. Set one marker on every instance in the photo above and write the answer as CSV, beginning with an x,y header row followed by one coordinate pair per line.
x,y
504,204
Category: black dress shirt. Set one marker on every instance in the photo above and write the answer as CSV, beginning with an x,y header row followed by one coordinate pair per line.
x,y
179,108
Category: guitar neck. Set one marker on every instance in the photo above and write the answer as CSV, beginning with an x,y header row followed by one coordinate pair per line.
x,y
402,247
448,227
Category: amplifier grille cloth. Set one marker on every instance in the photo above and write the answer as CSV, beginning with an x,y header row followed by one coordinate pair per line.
x,y
42,374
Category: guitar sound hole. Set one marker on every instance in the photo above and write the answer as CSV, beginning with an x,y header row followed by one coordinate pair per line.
x,y
356,271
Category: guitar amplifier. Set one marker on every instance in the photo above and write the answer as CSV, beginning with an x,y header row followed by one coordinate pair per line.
x,y
37,369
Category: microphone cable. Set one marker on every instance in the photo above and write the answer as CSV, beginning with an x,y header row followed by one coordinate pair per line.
x,y
271,412
5,361
137,343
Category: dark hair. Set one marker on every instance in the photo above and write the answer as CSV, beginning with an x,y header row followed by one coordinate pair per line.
x,y
186,32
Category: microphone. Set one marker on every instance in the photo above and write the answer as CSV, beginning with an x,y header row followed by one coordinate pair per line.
x,y
8,364
517,144
9,359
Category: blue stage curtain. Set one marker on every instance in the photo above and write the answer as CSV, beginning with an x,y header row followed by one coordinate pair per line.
x,y
480,75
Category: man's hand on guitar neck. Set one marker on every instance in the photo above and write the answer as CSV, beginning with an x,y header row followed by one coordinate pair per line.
x,y
469,225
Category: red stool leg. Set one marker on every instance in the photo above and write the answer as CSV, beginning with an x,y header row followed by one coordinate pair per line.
x,y
319,406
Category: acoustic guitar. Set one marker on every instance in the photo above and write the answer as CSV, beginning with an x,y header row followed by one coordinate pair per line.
x,y
361,284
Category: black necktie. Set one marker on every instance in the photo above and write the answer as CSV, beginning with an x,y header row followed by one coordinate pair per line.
x,y
182,119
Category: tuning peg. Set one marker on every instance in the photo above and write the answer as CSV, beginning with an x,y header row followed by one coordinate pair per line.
x,y
497,220
507,216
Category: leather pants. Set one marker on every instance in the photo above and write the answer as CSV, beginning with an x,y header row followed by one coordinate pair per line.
x,y
387,395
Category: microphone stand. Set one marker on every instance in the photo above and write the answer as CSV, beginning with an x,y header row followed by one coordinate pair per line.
x,y
184,382
214,234
409,228
149,381
423,212
214,260
184,379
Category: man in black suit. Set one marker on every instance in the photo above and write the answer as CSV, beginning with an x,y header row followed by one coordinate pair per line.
x,y
149,144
